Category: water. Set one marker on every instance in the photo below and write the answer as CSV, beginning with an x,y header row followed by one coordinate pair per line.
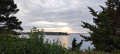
x,y
66,40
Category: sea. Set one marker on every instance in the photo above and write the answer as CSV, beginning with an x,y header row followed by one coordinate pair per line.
x,y
66,40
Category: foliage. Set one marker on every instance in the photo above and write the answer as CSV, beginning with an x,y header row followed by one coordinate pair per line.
x,y
7,19
76,46
105,35
35,44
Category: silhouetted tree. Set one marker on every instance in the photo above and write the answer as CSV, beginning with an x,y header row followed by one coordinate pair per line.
x,y
7,19
105,35
76,45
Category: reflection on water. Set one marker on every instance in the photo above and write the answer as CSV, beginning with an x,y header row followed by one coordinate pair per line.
x,y
64,41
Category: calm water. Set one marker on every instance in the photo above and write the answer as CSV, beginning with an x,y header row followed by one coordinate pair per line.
x,y
66,40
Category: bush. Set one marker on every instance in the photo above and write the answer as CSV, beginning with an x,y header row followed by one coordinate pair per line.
x,y
35,44
11,44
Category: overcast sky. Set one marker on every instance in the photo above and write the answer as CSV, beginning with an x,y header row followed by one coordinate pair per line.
x,y
56,15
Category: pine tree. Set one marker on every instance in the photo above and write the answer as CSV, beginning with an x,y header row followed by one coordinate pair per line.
x,y
105,35
76,46
7,19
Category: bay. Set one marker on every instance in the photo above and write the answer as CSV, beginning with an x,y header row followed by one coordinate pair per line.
x,y
66,40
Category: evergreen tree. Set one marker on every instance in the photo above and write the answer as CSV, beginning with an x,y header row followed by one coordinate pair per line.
x,y
105,35
76,46
8,22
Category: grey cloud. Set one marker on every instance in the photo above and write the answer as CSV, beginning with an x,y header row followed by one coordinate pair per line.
x,y
71,13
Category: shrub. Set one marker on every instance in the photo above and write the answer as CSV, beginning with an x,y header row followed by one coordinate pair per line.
x,y
11,44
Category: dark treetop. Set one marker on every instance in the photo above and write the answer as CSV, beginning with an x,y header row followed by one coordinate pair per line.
x,y
7,19
105,35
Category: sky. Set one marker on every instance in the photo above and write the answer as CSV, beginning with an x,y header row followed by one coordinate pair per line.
x,y
57,15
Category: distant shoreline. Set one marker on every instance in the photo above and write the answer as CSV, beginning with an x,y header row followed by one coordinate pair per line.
x,y
47,33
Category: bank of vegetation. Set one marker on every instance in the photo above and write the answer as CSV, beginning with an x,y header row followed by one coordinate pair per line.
x,y
104,34
35,44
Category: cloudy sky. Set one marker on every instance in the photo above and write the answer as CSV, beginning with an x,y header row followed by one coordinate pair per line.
x,y
56,15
